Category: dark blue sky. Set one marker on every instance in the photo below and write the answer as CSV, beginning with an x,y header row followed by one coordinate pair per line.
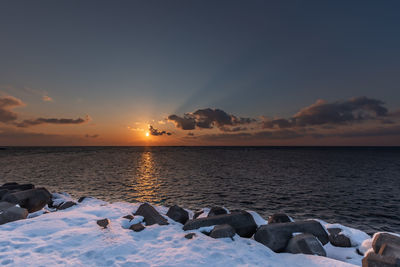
x,y
127,61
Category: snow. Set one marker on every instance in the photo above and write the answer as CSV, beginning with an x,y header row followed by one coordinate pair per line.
x,y
72,237
356,236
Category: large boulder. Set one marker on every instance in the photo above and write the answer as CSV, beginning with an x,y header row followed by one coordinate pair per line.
x,y
338,239
10,183
277,235
33,199
242,222
384,238
12,213
17,187
178,214
5,205
391,250
151,216
278,218
305,244
222,231
375,260
216,211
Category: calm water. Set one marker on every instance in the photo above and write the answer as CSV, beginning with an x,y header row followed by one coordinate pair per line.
x,y
356,187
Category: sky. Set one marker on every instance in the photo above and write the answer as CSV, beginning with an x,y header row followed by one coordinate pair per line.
x,y
199,73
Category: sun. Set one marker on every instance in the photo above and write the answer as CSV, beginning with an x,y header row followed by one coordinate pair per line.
x,y
147,134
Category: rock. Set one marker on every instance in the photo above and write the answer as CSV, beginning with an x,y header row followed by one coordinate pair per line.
x,y
278,218
18,187
375,260
178,214
222,231
197,214
242,222
103,222
5,205
384,238
3,192
190,235
12,213
129,217
391,250
33,199
66,205
151,216
337,239
216,211
81,199
137,227
305,244
277,235
12,183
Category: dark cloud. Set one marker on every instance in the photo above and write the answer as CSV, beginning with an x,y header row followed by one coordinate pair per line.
x,y
91,136
38,121
233,129
156,132
261,135
6,104
340,112
207,119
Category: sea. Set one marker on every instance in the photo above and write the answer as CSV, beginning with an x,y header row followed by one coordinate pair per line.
x,y
354,186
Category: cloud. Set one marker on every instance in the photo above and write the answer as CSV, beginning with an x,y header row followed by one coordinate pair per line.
x,y
91,136
207,119
38,121
6,104
47,98
260,135
358,109
155,132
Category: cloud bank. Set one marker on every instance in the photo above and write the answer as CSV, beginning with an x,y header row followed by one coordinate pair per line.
x,y
155,132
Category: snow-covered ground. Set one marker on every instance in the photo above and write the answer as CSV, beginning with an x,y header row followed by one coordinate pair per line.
x,y
72,237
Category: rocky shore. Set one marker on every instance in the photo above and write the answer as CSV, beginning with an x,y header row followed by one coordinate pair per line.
x,y
26,213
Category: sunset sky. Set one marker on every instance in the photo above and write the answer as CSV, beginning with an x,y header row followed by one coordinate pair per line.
x,y
199,73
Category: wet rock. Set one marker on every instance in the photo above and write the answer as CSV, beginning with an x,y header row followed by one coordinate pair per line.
x,y
137,227
242,222
278,218
337,239
103,222
66,205
277,235
222,231
197,214
12,213
190,235
390,250
178,214
33,199
216,211
18,187
305,244
384,238
129,217
375,260
151,216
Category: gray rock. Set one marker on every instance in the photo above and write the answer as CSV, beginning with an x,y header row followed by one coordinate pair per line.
x,y
13,213
197,214
33,199
278,218
305,244
129,217
3,192
103,222
137,227
276,236
178,214
222,231
391,250
82,199
384,238
216,211
5,205
337,239
190,235
375,260
18,187
242,222
66,205
150,215
12,183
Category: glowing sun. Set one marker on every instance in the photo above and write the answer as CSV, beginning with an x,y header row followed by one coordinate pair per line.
x,y
147,134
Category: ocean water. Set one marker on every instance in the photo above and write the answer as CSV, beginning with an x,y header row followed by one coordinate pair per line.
x,y
358,187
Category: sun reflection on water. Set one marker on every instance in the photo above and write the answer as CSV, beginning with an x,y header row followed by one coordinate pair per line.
x,y
147,185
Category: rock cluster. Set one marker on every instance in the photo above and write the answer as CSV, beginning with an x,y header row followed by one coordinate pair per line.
x,y
386,251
